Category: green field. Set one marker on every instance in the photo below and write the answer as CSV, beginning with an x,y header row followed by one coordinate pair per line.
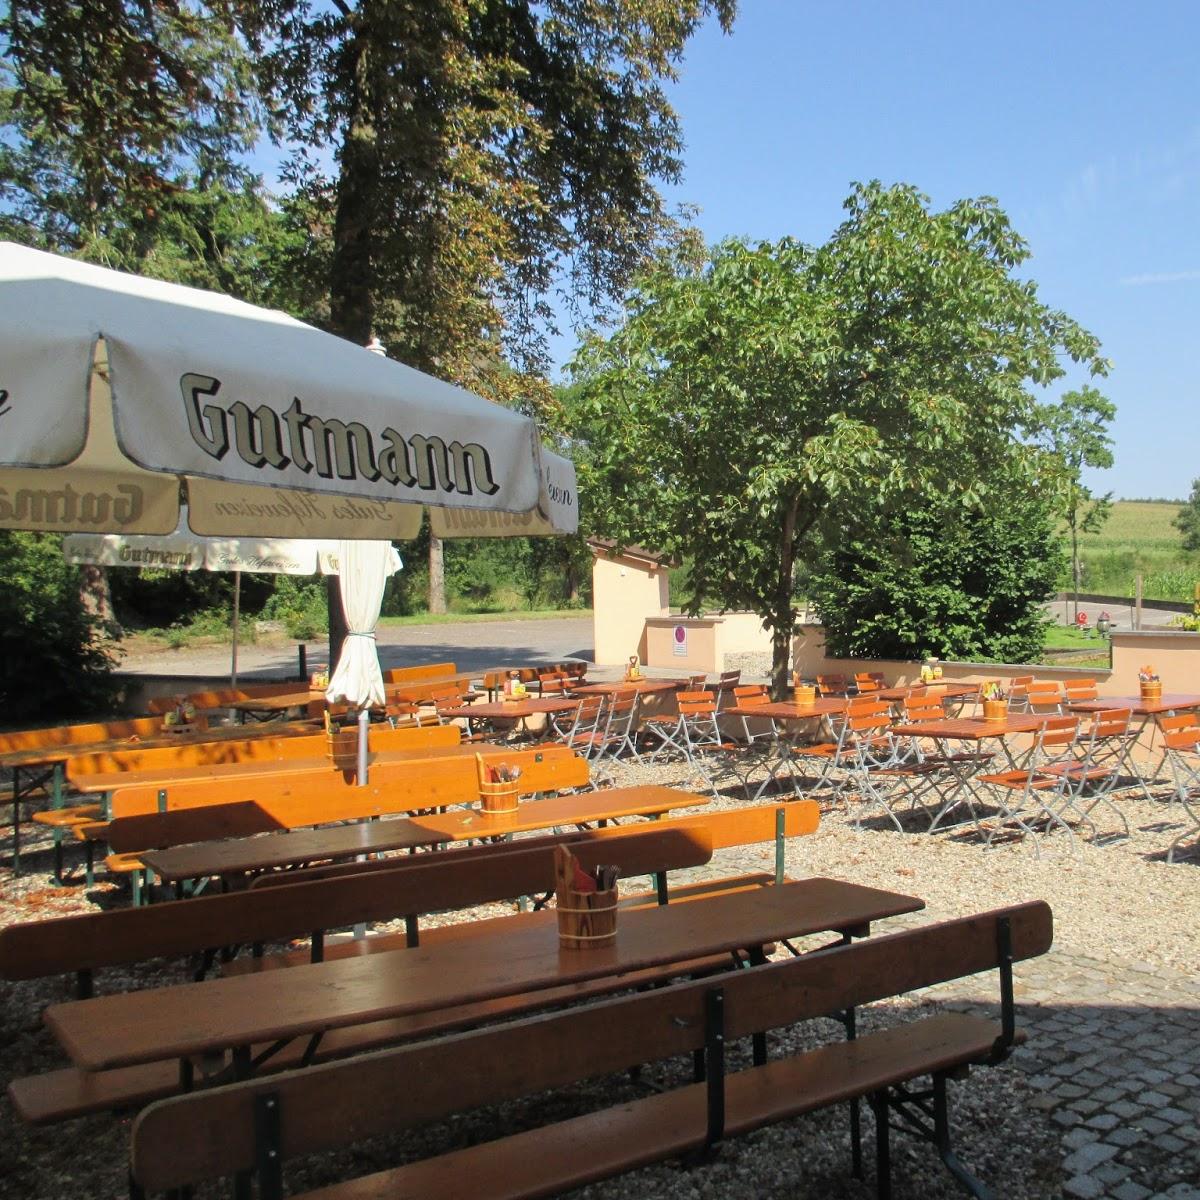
x,y
1139,537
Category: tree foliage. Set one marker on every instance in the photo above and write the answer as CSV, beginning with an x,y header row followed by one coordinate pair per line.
x,y
487,151
932,577
118,114
56,662
1187,520
1075,434
748,402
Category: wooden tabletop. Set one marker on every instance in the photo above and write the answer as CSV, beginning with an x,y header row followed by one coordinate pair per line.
x,y
223,733
948,690
521,955
640,686
970,729
237,856
789,710
1167,702
518,708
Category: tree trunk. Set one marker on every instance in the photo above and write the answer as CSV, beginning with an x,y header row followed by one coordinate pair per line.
x,y
96,597
437,576
351,277
781,657
1075,570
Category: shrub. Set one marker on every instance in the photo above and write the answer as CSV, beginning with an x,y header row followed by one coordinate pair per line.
x,y
57,657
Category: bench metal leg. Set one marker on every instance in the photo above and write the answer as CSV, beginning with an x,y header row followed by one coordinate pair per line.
x,y
941,1134
883,1150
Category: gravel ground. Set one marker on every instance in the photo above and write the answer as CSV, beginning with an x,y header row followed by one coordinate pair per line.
x,y
1116,902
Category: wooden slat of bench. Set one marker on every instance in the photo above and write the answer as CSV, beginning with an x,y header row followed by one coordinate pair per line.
x,y
56,736
192,1138
730,827
92,940
569,1154
209,761
328,795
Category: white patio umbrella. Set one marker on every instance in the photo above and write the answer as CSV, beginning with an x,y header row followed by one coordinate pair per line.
x,y
115,389
187,551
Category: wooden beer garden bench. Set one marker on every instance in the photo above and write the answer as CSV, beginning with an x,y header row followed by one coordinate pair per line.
x,y
464,975
254,1127
732,827
310,907
99,774
292,800
219,924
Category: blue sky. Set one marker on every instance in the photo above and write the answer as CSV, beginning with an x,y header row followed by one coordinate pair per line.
x,y
1083,120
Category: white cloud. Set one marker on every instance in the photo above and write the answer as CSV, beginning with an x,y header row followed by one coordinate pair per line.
x,y
1159,277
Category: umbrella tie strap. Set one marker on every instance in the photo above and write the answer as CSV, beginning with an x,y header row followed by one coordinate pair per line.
x,y
370,635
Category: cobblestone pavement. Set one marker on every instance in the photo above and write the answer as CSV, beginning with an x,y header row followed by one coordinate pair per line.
x,y
1115,1055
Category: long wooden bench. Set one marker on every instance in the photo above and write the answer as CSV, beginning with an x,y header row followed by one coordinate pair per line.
x,y
83,945
207,701
417,674
256,1126
394,786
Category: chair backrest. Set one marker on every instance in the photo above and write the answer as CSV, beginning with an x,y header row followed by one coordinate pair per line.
x,y
865,681
555,683
696,704
695,682
833,685
1055,733
749,694
1110,723
1181,731
729,679
1080,689
924,707
1043,696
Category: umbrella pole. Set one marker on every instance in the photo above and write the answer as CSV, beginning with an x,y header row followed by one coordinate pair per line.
x,y
237,596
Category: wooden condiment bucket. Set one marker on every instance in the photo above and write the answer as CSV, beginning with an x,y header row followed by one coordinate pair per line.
x,y
995,710
498,797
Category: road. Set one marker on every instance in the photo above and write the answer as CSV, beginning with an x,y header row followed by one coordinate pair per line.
x,y
472,645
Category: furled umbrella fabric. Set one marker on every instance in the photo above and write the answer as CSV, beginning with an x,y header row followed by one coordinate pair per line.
x,y
364,569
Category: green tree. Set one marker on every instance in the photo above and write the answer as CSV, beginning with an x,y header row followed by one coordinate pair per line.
x,y
57,663
1187,520
1074,432
933,577
116,114
487,153
749,404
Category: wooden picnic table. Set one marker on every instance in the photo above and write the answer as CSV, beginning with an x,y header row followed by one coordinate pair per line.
x,y
289,848
790,710
47,763
968,729
1167,704
520,955
521,708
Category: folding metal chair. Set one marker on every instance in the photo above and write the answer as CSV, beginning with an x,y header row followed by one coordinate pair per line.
x,y
579,729
1044,698
694,724
1021,795
1181,746
1094,770
620,726
724,686
1018,693
866,682
872,757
